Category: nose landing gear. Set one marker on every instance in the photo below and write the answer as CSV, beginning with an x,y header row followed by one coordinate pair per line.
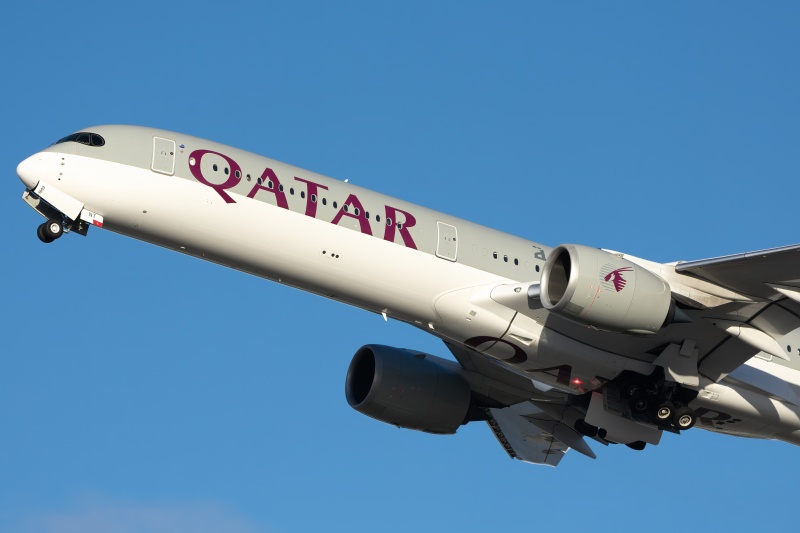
x,y
50,230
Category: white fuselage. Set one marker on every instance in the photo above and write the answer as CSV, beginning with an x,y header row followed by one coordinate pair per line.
x,y
436,272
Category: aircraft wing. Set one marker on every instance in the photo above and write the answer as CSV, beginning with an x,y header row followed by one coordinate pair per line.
x,y
749,273
531,435
756,310
532,431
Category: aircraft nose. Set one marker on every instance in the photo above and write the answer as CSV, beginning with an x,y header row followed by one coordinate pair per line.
x,y
30,170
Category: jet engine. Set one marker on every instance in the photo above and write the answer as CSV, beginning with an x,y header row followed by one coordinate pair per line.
x,y
604,290
408,389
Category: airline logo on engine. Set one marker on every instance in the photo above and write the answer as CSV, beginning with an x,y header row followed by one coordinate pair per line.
x,y
616,278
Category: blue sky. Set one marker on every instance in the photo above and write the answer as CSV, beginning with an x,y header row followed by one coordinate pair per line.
x,y
141,390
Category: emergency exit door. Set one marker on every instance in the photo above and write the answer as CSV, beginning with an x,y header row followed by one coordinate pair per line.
x,y
447,247
163,155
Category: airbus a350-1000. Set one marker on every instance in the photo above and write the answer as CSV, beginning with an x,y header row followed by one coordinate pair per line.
x,y
552,346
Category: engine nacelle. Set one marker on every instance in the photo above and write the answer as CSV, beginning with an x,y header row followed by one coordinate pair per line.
x,y
408,389
604,290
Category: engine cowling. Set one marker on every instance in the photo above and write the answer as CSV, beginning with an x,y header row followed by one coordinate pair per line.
x,y
604,290
407,389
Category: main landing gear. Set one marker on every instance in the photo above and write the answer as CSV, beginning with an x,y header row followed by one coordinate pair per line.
x,y
50,230
660,402
649,400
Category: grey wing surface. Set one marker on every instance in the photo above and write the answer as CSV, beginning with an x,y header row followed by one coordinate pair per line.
x,y
532,423
531,435
749,273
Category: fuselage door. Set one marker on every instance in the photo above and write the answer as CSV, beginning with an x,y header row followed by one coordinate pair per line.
x,y
447,247
163,155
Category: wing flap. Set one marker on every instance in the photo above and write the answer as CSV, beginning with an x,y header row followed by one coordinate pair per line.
x,y
529,434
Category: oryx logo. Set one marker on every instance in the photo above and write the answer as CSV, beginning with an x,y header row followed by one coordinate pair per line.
x,y
615,277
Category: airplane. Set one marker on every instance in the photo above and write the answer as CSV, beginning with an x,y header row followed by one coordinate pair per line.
x,y
554,347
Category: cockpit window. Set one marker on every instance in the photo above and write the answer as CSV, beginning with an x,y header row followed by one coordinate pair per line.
x,y
83,137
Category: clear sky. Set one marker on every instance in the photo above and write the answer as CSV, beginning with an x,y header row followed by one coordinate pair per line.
x,y
145,391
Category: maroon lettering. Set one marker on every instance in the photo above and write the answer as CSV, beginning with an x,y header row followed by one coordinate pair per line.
x,y
563,376
519,356
352,208
708,417
270,183
311,196
563,372
234,175
392,226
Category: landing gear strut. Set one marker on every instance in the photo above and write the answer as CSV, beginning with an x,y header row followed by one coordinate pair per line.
x,y
50,230
659,401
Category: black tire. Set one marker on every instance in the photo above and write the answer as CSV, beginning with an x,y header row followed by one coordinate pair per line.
x,y
630,390
664,412
40,233
684,418
52,229
637,445
639,402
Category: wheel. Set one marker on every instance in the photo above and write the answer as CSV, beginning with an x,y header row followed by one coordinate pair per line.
x,y
637,445
40,233
587,430
52,229
664,412
630,390
684,418
639,402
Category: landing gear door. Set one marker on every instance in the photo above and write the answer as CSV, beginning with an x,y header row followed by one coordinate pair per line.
x,y
163,156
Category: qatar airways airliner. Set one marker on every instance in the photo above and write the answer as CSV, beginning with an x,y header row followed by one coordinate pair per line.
x,y
552,347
